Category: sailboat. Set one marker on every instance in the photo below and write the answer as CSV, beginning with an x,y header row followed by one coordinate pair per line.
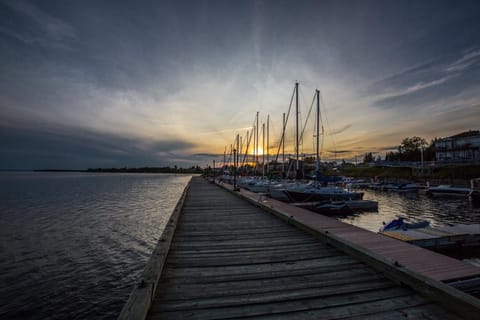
x,y
311,192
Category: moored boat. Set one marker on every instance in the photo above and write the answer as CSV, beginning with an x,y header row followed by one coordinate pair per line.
x,y
400,224
448,190
320,194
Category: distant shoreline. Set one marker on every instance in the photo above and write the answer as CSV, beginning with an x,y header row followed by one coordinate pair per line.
x,y
196,170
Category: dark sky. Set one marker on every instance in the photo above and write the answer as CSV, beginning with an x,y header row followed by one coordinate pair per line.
x,y
154,83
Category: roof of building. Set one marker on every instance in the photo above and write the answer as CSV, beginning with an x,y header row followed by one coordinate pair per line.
x,y
469,133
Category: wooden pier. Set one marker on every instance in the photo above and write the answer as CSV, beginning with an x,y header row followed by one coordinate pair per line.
x,y
224,255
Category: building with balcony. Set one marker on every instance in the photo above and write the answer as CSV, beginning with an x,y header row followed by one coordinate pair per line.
x,y
464,146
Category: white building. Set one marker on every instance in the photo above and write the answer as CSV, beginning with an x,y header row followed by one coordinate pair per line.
x,y
464,146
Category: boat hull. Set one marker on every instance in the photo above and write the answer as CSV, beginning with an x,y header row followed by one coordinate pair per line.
x,y
297,196
448,193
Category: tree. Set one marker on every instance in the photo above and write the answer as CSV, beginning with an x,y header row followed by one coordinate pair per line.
x,y
392,156
412,144
410,148
429,152
368,158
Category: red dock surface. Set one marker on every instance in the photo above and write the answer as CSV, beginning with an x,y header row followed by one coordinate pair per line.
x,y
428,263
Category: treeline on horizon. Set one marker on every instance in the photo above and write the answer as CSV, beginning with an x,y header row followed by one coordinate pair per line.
x,y
175,169
414,149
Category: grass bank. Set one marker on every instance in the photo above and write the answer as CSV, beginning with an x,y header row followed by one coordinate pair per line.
x,y
454,172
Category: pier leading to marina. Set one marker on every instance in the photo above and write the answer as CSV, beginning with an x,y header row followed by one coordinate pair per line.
x,y
234,254
425,262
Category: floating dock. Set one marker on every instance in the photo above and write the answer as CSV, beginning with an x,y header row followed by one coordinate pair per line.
x,y
338,207
231,254
458,236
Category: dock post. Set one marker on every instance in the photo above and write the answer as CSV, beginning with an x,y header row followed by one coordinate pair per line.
x,y
213,171
235,170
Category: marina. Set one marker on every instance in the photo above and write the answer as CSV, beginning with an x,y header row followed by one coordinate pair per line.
x,y
231,254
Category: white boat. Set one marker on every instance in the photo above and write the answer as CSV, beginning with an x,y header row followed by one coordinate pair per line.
x,y
402,187
448,190
260,186
253,184
308,193
275,190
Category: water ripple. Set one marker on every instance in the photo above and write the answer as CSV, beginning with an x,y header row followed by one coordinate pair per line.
x,y
72,245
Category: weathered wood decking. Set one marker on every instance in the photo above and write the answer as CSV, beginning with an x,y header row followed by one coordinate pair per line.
x,y
425,262
231,259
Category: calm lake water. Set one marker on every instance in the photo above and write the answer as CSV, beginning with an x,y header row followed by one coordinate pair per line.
x,y
72,244
415,207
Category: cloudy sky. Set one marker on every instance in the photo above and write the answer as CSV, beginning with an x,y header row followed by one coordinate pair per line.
x,y
153,83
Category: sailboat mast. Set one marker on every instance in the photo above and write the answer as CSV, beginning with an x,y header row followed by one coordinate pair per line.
x,y
297,167
268,146
254,153
256,144
263,150
317,163
224,158
241,148
283,146
246,149
246,160
237,154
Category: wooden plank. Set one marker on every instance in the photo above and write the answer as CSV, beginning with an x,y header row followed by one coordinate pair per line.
x,y
240,254
251,257
331,280
367,310
176,279
236,233
422,312
239,244
228,262
254,268
267,297
292,309
285,248
211,234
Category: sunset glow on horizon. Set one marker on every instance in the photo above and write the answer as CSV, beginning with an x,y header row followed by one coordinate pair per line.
x,y
114,84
